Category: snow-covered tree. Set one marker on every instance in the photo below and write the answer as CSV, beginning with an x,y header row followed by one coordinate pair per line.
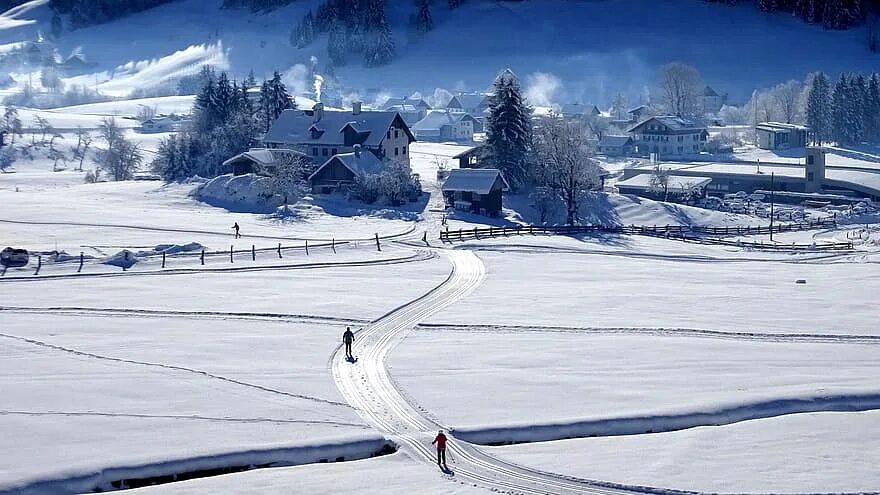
x,y
337,45
12,123
566,162
786,97
121,158
57,25
818,108
840,118
681,87
290,179
50,79
659,182
251,80
545,201
379,49
509,129
872,109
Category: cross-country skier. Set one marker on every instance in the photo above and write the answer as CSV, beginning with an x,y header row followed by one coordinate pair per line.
x,y
440,440
348,338
235,228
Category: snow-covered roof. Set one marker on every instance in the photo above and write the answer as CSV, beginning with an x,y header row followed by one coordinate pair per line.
x,y
710,92
475,180
435,119
402,108
615,140
580,109
638,109
262,156
362,163
676,183
779,126
467,101
672,122
294,127
395,101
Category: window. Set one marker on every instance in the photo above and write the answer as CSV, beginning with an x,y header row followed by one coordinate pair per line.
x,y
396,133
389,133
396,151
314,151
810,176
404,150
334,151
323,151
681,149
809,159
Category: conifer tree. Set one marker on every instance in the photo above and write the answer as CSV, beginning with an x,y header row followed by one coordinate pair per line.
x,y
818,108
336,45
509,129
839,126
424,23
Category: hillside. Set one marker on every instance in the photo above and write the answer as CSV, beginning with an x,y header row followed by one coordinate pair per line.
x,y
584,50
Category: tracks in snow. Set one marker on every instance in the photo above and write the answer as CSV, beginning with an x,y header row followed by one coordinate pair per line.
x,y
171,367
367,386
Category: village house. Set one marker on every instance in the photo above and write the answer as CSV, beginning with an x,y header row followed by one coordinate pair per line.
x,y
475,104
421,106
321,134
638,113
615,145
163,123
260,161
341,170
668,136
410,113
444,125
678,187
712,101
578,111
777,135
477,190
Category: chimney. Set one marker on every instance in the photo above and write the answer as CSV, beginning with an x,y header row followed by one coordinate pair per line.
x,y
356,108
319,111
357,151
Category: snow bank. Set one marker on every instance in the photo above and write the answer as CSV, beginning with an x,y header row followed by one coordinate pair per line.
x,y
239,193
172,249
122,477
124,259
637,425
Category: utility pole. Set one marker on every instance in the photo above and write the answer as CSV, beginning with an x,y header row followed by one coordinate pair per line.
x,y
772,197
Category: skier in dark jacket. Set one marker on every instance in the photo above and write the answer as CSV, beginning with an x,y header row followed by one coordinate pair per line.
x,y
236,229
440,440
348,338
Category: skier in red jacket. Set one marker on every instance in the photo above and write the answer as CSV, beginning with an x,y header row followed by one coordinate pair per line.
x,y
440,440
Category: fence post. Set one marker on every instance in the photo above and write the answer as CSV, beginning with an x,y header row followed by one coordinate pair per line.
x,y
475,232
231,250
39,265
425,238
253,252
81,259
163,259
333,244
378,246
307,247
279,251
203,257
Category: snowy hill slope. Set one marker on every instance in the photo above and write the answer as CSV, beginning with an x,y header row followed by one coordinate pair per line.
x,y
593,48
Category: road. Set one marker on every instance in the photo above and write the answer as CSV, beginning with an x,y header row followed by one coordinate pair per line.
x,y
367,386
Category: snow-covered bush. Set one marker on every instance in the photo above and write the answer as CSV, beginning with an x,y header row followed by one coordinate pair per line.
x,y
395,185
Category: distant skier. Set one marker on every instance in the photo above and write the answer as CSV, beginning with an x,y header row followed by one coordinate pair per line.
x,y
440,440
348,338
236,229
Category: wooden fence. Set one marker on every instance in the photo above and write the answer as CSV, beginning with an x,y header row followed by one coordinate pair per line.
x,y
706,235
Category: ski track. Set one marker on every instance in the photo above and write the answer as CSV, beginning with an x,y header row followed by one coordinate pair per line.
x,y
203,232
150,313
368,387
171,367
539,249
419,256
181,417
662,332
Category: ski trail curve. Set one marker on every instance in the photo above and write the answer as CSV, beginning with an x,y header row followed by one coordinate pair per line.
x,y
367,386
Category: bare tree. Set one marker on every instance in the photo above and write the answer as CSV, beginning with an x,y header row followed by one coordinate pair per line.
x,y
787,97
42,126
660,181
618,106
566,162
682,87
145,113
83,142
55,154
122,157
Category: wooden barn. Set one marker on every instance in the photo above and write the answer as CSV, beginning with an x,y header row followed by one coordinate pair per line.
x,y
341,169
478,190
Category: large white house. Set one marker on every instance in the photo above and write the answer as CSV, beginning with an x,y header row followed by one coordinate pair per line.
x,y
320,134
668,136
445,125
